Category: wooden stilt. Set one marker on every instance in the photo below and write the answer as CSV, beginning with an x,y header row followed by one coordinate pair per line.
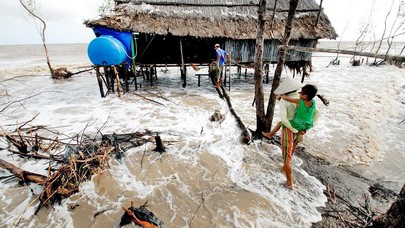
x,y
126,80
267,70
100,82
224,69
112,78
107,78
118,80
230,64
133,59
183,67
304,73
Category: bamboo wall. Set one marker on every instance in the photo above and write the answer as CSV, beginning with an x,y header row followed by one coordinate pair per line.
x,y
158,49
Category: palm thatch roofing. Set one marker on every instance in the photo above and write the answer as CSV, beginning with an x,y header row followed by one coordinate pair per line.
x,y
234,19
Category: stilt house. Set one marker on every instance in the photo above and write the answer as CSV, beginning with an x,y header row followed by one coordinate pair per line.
x,y
182,32
163,26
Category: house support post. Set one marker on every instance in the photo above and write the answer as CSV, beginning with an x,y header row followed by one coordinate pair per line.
x,y
183,67
118,80
133,59
107,78
100,82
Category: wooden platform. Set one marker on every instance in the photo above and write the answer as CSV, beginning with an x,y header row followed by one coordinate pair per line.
x,y
199,77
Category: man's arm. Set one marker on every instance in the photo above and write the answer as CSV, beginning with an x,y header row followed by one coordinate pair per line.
x,y
287,98
284,118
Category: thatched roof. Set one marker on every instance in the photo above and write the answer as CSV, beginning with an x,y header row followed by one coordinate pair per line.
x,y
235,19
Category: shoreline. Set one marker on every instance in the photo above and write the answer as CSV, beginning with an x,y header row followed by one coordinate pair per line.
x,y
351,196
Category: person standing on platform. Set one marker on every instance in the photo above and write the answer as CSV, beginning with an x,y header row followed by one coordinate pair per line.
x,y
220,56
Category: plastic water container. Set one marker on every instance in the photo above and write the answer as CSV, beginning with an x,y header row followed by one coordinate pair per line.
x,y
106,50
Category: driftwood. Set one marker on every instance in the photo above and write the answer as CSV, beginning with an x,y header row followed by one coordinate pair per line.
x,y
25,176
78,163
159,145
30,144
65,181
123,142
217,116
61,73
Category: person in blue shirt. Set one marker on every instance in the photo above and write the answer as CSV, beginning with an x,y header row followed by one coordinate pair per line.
x,y
220,56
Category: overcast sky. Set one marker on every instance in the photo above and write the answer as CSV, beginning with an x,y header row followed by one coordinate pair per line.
x,y
65,19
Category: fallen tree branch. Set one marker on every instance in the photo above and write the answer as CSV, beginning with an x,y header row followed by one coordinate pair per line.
x,y
143,97
395,58
38,156
25,176
245,132
81,71
18,101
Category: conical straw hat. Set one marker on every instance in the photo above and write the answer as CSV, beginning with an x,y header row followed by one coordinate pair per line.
x,y
288,85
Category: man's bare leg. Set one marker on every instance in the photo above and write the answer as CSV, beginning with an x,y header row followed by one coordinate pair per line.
x,y
288,173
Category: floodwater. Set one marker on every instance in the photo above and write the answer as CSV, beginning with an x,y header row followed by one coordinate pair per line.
x,y
206,178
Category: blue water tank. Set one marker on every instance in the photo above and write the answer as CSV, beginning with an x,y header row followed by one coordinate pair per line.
x,y
106,50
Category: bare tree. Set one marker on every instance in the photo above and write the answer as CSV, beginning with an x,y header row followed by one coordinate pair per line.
x,y
264,121
364,31
282,52
395,28
30,6
385,29
336,61
402,50
259,97
373,43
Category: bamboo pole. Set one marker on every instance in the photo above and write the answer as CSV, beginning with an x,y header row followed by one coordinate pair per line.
x,y
230,62
319,13
118,81
183,67
133,59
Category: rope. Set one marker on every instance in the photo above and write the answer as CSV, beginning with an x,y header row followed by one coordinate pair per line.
x,y
147,46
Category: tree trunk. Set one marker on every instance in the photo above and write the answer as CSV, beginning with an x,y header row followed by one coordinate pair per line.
x,y
25,176
31,10
385,29
258,74
282,51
